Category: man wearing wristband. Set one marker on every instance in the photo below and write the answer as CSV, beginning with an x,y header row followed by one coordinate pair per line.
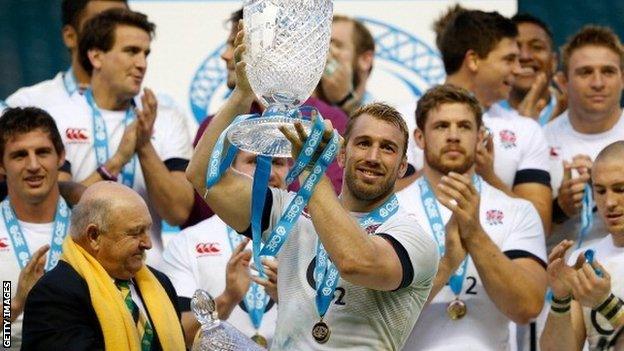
x,y
492,246
588,296
152,149
592,63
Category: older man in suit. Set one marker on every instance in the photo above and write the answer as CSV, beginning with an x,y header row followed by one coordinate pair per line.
x,y
101,294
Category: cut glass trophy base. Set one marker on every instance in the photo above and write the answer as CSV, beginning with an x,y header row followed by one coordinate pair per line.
x,y
261,136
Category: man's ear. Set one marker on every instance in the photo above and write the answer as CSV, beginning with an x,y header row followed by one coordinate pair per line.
x,y
403,167
419,136
365,61
562,81
70,37
471,61
94,236
340,158
95,57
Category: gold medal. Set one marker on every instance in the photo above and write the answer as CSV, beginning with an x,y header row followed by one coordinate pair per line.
x,y
260,340
456,309
321,332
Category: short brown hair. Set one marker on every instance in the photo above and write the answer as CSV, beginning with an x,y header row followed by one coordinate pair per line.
x,y
21,120
382,112
445,18
99,32
472,30
446,94
591,35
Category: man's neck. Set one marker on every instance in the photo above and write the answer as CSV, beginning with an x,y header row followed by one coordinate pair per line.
x,y
82,77
39,212
352,204
105,98
618,239
463,80
596,123
516,96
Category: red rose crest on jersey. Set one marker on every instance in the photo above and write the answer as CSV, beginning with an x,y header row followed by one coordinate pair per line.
x,y
4,244
208,249
508,138
77,136
494,217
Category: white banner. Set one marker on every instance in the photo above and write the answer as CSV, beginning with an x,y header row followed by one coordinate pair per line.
x,y
190,35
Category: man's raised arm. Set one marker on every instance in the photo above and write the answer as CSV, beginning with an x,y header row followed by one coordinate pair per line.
x,y
230,198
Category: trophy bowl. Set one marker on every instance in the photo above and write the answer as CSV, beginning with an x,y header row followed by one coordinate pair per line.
x,y
287,44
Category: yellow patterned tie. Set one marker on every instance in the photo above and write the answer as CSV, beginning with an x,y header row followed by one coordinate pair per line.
x,y
144,328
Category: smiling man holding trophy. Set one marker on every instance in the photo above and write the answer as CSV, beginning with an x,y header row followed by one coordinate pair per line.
x,y
354,270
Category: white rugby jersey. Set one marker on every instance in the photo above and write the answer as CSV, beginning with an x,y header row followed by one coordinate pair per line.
x,y
36,235
515,227
75,123
44,94
600,334
564,143
55,91
520,148
359,318
197,257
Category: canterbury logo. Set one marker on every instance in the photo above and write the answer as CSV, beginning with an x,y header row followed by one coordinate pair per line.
x,y
4,243
76,134
208,248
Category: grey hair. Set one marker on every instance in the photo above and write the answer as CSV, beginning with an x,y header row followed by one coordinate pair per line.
x,y
91,211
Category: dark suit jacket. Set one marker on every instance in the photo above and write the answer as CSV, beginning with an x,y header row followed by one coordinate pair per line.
x,y
58,314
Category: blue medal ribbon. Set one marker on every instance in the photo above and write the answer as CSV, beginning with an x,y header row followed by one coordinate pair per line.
x,y
218,163
430,205
69,81
326,274
587,214
547,111
100,139
256,298
280,233
59,231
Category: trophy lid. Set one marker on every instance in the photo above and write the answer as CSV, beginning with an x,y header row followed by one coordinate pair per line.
x,y
204,307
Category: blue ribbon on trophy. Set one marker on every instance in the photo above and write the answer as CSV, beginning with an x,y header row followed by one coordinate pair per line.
x,y
219,163
282,71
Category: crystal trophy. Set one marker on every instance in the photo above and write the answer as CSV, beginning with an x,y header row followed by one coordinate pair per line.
x,y
216,335
287,44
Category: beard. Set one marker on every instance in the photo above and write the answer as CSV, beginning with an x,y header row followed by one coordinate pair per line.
x,y
435,161
368,192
